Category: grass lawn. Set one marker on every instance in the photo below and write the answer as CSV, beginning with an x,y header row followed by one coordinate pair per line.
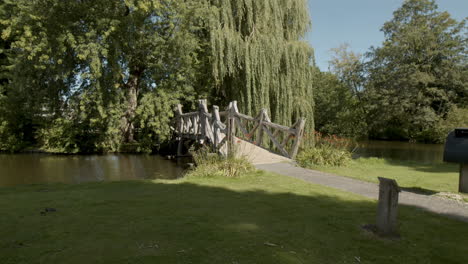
x,y
437,177
258,218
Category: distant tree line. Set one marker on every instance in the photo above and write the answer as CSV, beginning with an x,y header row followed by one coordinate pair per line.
x,y
95,75
413,87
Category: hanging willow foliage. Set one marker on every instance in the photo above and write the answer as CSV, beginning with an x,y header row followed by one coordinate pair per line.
x,y
260,59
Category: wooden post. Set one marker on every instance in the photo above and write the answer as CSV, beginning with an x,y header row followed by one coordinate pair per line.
x,y
297,140
180,127
463,180
215,118
260,127
202,110
387,208
228,127
234,111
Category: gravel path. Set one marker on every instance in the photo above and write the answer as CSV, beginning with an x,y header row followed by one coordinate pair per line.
x,y
439,205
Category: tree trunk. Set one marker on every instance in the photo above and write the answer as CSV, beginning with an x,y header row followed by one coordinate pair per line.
x,y
132,103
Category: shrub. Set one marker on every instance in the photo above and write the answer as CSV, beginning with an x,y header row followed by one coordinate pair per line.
x,y
9,140
328,151
456,117
212,164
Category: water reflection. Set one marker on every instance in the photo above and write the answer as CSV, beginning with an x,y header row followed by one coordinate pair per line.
x,y
427,153
42,168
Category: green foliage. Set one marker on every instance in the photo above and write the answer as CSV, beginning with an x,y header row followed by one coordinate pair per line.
x,y
212,165
328,151
9,141
154,115
456,117
87,78
259,57
90,76
418,74
337,111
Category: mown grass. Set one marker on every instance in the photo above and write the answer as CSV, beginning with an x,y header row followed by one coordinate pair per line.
x,y
254,218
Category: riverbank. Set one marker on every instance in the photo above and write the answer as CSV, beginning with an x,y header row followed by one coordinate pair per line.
x,y
419,177
257,218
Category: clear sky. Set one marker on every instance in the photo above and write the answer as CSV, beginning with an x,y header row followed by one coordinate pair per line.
x,y
358,23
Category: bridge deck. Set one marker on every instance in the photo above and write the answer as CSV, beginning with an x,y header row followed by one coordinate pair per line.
x,y
257,155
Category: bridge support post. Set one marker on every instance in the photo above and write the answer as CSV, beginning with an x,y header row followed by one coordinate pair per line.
x,y
202,111
215,119
260,127
298,138
231,127
179,129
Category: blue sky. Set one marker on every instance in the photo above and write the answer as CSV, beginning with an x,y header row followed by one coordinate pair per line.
x,y
358,23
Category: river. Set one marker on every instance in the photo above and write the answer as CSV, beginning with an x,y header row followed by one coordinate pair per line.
x,y
427,153
17,169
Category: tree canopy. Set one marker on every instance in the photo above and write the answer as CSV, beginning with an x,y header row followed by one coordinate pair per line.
x,y
90,75
409,87
419,73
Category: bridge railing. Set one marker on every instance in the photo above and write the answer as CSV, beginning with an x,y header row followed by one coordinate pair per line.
x,y
209,128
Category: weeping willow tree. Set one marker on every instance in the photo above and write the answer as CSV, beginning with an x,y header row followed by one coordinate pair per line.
x,y
260,59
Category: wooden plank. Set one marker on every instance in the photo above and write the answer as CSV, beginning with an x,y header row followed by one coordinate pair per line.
x,y
280,127
244,131
223,141
252,131
276,143
285,140
246,117
189,114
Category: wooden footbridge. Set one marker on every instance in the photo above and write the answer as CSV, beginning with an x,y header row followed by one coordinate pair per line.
x,y
230,132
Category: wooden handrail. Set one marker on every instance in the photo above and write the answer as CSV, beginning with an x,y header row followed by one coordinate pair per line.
x,y
208,127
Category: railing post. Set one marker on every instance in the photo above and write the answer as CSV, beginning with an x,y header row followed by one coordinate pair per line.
x,y
180,127
202,110
231,126
260,127
215,119
298,137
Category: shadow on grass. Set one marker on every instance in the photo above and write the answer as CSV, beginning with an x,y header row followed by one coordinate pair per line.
x,y
419,190
146,222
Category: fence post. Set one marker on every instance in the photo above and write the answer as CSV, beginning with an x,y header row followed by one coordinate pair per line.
x,y
387,208
298,138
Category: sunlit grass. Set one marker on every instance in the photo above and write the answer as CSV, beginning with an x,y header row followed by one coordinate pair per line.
x,y
430,177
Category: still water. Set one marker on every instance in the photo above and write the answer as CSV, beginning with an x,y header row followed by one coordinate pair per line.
x,y
16,169
427,153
